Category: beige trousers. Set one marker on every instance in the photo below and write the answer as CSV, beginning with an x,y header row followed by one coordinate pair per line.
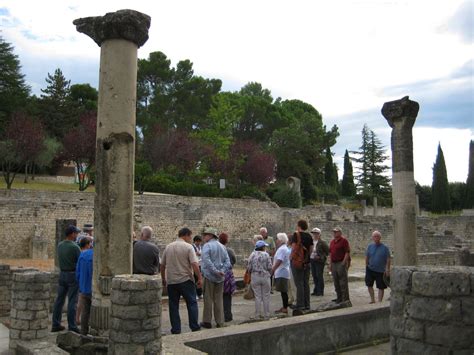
x,y
213,299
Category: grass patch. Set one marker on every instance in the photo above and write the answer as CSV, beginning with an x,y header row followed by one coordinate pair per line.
x,y
43,186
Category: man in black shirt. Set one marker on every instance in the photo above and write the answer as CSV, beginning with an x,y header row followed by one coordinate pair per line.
x,y
301,275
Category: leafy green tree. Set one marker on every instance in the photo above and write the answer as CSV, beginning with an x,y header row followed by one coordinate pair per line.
x,y
13,89
457,192
143,171
84,97
348,188
424,196
45,158
440,187
372,180
469,196
57,111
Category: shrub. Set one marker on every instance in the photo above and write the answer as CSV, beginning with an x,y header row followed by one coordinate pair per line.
x,y
285,197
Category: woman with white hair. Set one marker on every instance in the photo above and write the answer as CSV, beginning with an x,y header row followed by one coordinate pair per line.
x,y
281,270
259,267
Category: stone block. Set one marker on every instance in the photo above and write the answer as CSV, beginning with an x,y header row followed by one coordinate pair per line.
x,y
397,325
133,285
144,297
25,315
397,304
39,324
400,279
119,337
19,305
125,325
467,310
14,333
42,333
129,312
143,336
153,310
407,346
120,297
450,335
413,329
28,334
19,324
41,314
30,295
441,283
153,283
40,305
151,323
433,309
153,347
127,349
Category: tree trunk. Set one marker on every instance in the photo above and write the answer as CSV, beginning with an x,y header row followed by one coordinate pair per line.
x,y
33,171
25,180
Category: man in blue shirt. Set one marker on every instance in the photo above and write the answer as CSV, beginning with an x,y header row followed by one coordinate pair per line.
x,y
84,279
215,263
377,262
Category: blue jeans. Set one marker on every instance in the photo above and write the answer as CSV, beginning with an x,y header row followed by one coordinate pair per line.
x,y
67,287
317,270
186,289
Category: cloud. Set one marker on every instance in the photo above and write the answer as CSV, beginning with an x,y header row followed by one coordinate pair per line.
x,y
462,22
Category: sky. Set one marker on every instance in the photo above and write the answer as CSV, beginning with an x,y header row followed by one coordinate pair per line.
x,y
344,57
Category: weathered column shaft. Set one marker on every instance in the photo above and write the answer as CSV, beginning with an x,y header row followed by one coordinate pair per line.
x,y
119,35
401,115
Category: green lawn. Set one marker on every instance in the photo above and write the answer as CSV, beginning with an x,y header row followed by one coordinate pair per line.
x,y
43,185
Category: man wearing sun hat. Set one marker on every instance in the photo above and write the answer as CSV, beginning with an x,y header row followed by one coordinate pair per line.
x,y
215,263
318,261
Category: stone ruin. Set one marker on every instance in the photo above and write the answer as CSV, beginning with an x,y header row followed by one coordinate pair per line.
x,y
431,309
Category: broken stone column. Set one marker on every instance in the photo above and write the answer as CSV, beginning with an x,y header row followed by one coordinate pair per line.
x,y
5,290
135,323
39,245
401,115
432,310
375,205
29,312
119,35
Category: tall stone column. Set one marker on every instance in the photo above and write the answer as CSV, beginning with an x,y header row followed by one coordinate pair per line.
x,y
401,115
119,35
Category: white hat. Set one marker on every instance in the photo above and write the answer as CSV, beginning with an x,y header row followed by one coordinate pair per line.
x,y
316,230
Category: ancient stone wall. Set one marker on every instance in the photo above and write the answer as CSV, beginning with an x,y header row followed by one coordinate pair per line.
x,y
432,310
20,210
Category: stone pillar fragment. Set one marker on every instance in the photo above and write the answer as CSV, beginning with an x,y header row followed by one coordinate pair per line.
x,y
401,115
119,34
375,205
29,312
135,322
39,245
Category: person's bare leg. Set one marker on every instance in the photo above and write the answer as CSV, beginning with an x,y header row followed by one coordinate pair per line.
x,y
381,292
371,293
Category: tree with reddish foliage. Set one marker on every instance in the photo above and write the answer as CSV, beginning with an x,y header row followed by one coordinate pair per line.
x,y
22,144
173,150
251,164
79,147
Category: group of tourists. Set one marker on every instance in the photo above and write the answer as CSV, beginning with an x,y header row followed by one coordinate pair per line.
x,y
202,267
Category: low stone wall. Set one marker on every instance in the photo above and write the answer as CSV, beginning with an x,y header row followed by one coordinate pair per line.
x,y
20,210
30,303
432,310
309,334
135,320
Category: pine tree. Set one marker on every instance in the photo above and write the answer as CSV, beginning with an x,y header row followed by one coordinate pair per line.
x,y
13,89
57,110
469,196
348,188
440,188
372,180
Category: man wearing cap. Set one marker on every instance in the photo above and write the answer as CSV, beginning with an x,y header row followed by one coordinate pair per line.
x,y
87,231
146,255
377,262
179,267
68,254
215,263
339,251
318,261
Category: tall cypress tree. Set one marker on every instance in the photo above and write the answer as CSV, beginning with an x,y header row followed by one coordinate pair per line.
x,y
330,175
440,201
348,188
469,196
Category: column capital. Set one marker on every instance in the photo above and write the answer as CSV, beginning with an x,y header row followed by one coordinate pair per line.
x,y
404,110
123,24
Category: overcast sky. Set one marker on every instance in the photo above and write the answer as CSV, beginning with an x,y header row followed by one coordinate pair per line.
x,y
346,58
